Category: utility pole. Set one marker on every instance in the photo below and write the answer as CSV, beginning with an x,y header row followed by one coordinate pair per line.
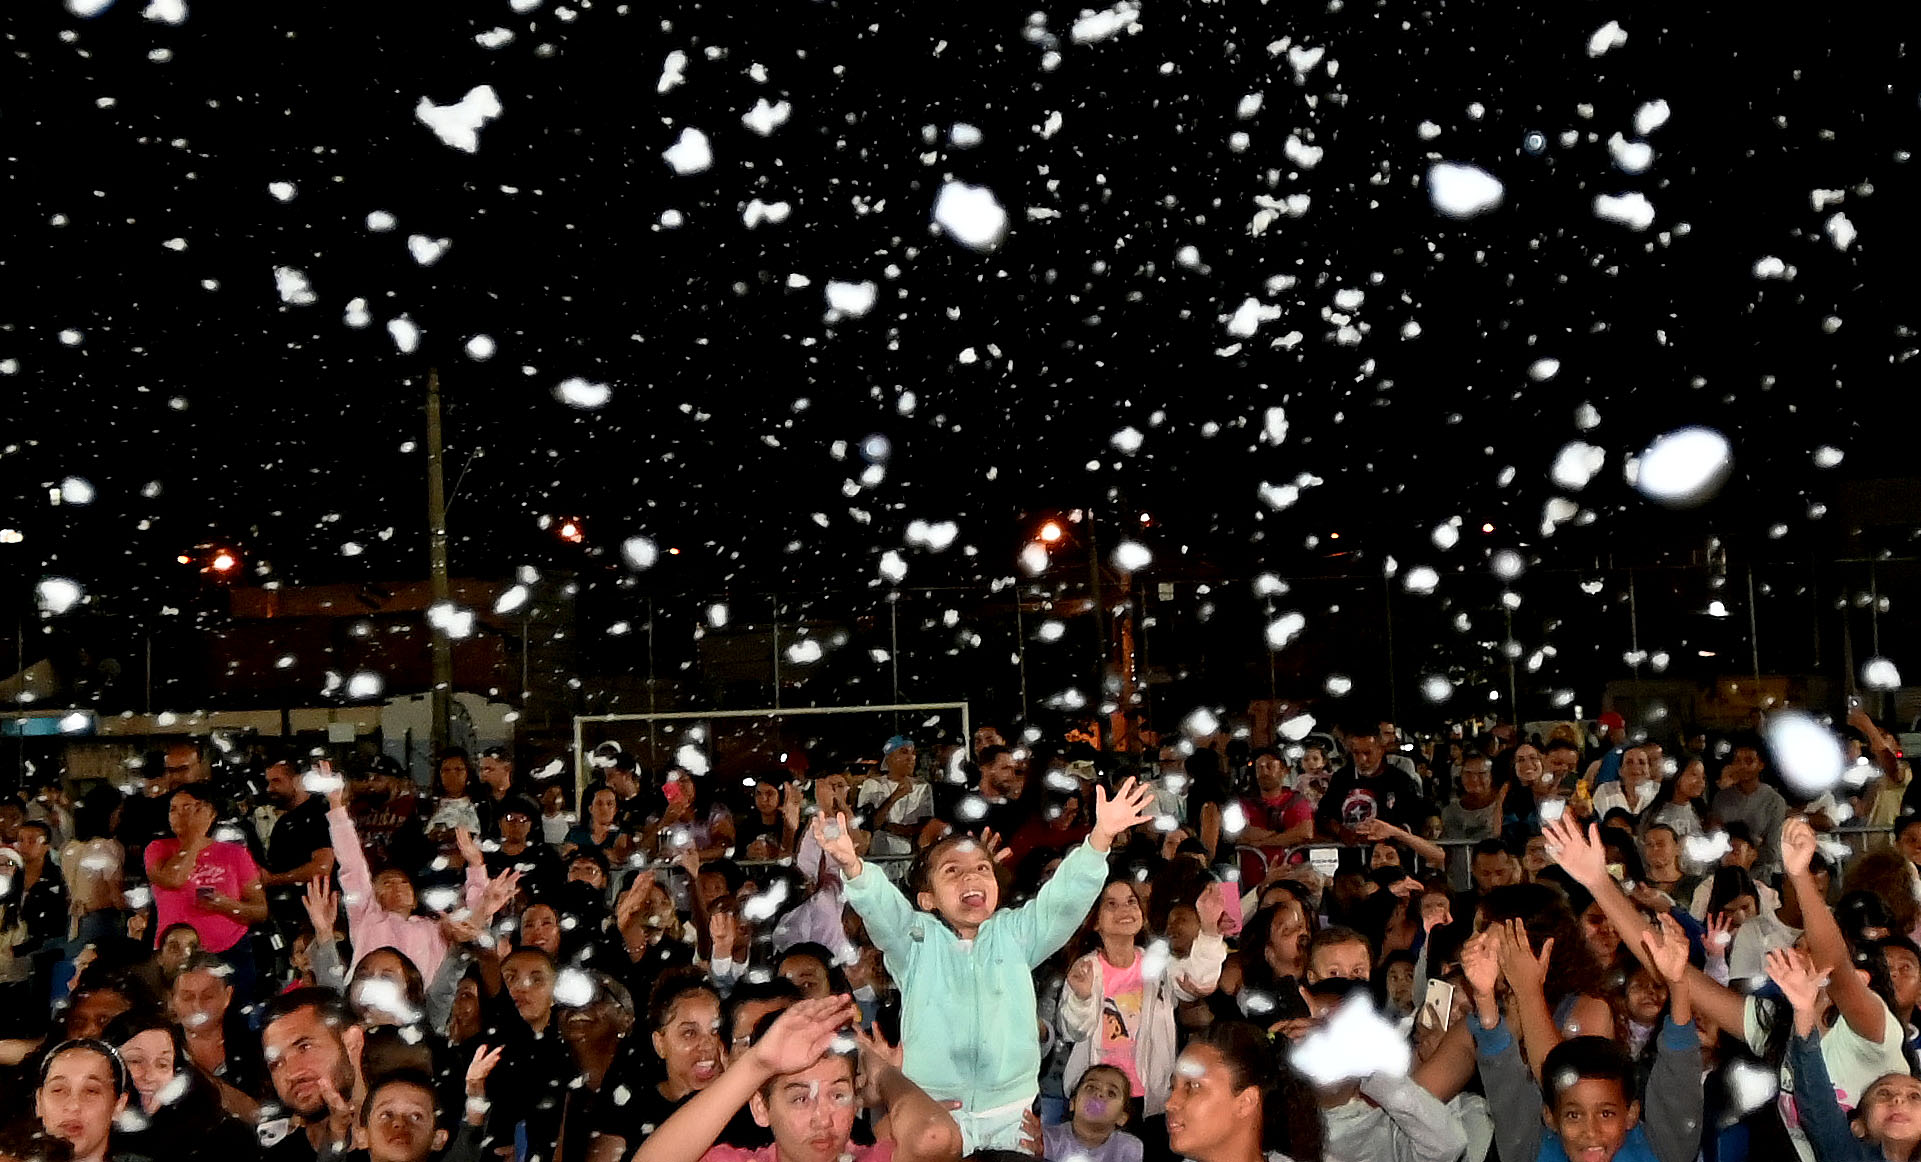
x,y
443,646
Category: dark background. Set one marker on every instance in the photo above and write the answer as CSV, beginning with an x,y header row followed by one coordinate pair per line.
x,y
280,430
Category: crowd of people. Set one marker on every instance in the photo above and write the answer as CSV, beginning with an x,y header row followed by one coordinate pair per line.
x,y
1578,944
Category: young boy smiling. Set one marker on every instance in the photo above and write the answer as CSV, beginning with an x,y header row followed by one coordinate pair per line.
x,y
968,1014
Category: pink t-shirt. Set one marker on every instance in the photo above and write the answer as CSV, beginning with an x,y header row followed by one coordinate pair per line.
x,y
878,1152
225,868
1120,1019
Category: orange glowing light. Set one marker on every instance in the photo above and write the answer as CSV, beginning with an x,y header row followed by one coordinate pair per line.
x,y
1051,532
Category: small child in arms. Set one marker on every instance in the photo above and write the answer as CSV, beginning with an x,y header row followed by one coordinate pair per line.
x,y
1099,1103
968,1018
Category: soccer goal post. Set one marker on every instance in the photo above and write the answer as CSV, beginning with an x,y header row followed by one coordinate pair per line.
x,y
738,744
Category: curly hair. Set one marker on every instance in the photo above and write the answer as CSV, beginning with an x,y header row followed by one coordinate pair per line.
x,y
1545,912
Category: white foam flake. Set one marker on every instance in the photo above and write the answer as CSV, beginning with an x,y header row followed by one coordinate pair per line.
x,y
1284,629
87,9
1201,723
1436,688
406,335
1706,849
1098,26
1128,440
282,191
764,117
426,251
1632,210
1840,231
1630,156
762,905
961,135
1606,38
692,759
1880,674
1301,154
1650,117
1298,727
757,211
1459,190
76,490
356,314
639,552
893,566
1828,456
970,215
573,988
805,652
1355,1042
851,299
932,535
578,392
1769,266
1421,579
292,286
1807,754
672,72
1681,468
167,11
1751,1085
1248,317
1576,464
365,684
458,125
692,153
1132,556
380,221
480,348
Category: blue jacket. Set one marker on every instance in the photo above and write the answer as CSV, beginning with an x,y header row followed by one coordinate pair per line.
x,y
968,1017
1672,1109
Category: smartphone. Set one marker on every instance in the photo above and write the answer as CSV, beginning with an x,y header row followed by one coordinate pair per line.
x,y
671,789
1437,1006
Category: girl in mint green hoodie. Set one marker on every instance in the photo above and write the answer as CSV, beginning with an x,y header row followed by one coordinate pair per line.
x,y
969,1030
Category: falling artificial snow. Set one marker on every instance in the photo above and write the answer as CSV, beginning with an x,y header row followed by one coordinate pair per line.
x,y
1463,191
970,215
1683,468
459,124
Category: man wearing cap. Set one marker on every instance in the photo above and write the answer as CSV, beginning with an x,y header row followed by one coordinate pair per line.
x,y
896,803
540,868
1612,729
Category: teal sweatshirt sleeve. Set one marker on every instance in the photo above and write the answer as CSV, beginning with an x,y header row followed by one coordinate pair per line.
x,y
889,918
1039,927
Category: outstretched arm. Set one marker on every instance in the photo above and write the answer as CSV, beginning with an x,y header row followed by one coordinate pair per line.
x,y
797,1039
1863,1011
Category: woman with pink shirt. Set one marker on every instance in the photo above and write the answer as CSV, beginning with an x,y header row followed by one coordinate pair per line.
x,y
212,886
382,910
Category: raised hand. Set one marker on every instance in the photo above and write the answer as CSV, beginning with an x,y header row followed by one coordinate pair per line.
x,y
1578,851
336,786
1128,808
1720,934
499,893
1524,969
1211,907
836,838
1801,982
791,797
1198,991
1797,846
469,847
1080,977
323,907
723,929
1668,947
803,1033
992,843
1031,1140
477,1070
1436,911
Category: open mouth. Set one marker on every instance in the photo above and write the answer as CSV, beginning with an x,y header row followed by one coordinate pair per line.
x,y
706,1071
974,899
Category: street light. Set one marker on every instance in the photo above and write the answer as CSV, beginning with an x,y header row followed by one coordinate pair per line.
x,y
1052,532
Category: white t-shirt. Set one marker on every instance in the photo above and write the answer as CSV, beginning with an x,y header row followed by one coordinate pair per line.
x,y
1853,1062
916,806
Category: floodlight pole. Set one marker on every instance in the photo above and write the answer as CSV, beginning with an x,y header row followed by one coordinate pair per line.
x,y
443,650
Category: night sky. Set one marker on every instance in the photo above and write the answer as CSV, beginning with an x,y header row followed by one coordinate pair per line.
x,y
140,156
